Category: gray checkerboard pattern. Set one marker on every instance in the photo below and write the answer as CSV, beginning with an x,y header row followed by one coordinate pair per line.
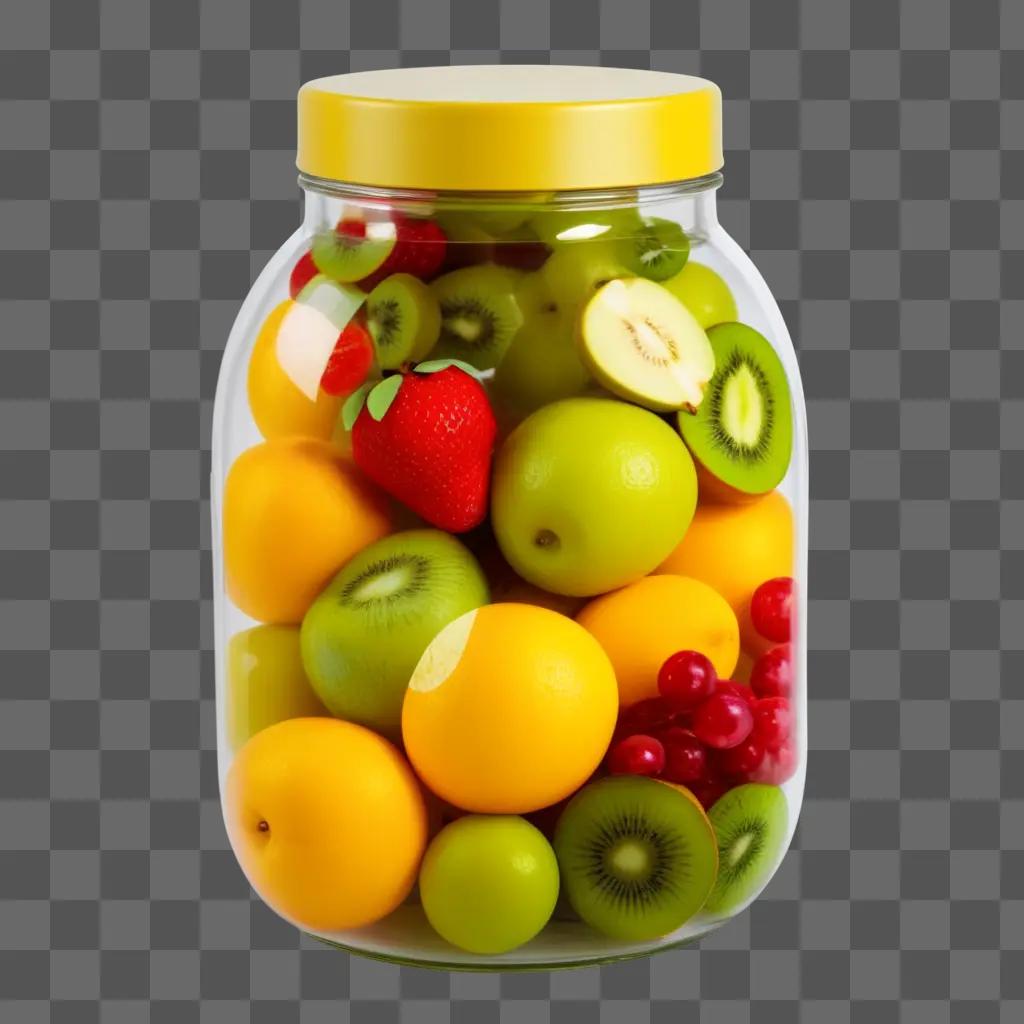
x,y
875,168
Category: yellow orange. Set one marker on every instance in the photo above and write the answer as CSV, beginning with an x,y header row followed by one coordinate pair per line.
x,y
279,407
510,709
294,513
640,625
735,548
327,821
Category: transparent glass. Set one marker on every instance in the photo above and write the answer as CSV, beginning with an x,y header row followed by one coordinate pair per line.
x,y
547,316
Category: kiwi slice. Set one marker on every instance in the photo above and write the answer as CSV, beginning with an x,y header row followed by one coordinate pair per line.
x,y
742,434
479,314
644,345
658,251
353,250
404,319
637,857
750,825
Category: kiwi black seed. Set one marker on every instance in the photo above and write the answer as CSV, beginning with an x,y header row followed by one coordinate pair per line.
x,y
404,319
750,826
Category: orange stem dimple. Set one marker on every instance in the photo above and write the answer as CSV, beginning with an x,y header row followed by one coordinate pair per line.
x,y
263,826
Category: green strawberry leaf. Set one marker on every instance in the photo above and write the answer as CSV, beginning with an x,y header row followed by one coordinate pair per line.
x,y
354,406
380,398
437,365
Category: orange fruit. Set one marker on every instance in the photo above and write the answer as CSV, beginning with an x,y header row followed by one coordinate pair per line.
x,y
735,548
279,406
640,625
294,513
510,709
327,821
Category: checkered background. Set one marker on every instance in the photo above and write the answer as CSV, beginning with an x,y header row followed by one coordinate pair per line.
x,y
875,168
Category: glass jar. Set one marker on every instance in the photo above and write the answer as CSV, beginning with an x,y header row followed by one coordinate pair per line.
x,y
510,528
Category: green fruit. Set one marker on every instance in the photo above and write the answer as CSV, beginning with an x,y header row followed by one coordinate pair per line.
x,y
637,856
569,227
750,824
704,294
479,314
658,251
591,494
404,318
266,682
574,273
362,637
644,345
742,434
346,257
489,883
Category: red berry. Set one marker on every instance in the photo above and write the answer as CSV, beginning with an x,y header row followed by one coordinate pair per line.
x,y
771,609
686,759
686,679
521,255
736,689
776,767
773,722
419,249
709,792
723,720
350,362
302,273
637,755
645,716
742,759
772,674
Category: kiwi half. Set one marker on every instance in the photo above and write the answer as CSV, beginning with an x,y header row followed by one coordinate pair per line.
x,y
637,857
750,825
404,318
479,314
742,434
353,250
644,345
658,251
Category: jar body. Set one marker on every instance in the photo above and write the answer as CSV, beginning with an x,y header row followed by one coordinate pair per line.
x,y
539,297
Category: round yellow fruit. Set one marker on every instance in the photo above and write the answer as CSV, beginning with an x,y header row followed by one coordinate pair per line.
x,y
327,821
279,407
734,549
266,682
640,625
294,513
510,709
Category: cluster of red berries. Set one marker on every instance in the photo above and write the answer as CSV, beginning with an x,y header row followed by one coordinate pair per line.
x,y
711,734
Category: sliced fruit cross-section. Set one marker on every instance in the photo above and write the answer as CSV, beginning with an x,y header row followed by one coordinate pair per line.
x,y
404,318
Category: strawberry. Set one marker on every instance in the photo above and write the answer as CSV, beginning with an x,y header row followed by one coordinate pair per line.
x,y
302,273
350,361
427,438
419,249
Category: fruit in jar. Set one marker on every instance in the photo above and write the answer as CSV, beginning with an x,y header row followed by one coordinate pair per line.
x,y
350,361
704,294
427,439
772,674
741,760
479,314
266,682
686,679
364,634
581,229
637,857
734,548
294,512
420,249
353,249
590,494
302,273
573,274
509,710
637,755
771,609
644,345
722,721
404,320
750,824
642,624
686,758
658,250
773,723
741,435
489,883
327,821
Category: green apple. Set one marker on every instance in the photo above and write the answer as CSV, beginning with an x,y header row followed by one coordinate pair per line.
x,y
704,294
489,883
590,494
266,682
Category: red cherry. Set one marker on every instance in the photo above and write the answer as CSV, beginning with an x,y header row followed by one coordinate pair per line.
x,y
302,273
777,767
644,716
771,609
709,792
772,674
736,689
686,759
637,755
742,759
350,362
686,679
723,720
773,722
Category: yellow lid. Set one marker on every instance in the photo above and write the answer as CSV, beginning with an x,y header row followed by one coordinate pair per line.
x,y
509,128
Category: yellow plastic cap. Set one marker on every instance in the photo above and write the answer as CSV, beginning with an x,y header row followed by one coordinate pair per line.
x,y
508,128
